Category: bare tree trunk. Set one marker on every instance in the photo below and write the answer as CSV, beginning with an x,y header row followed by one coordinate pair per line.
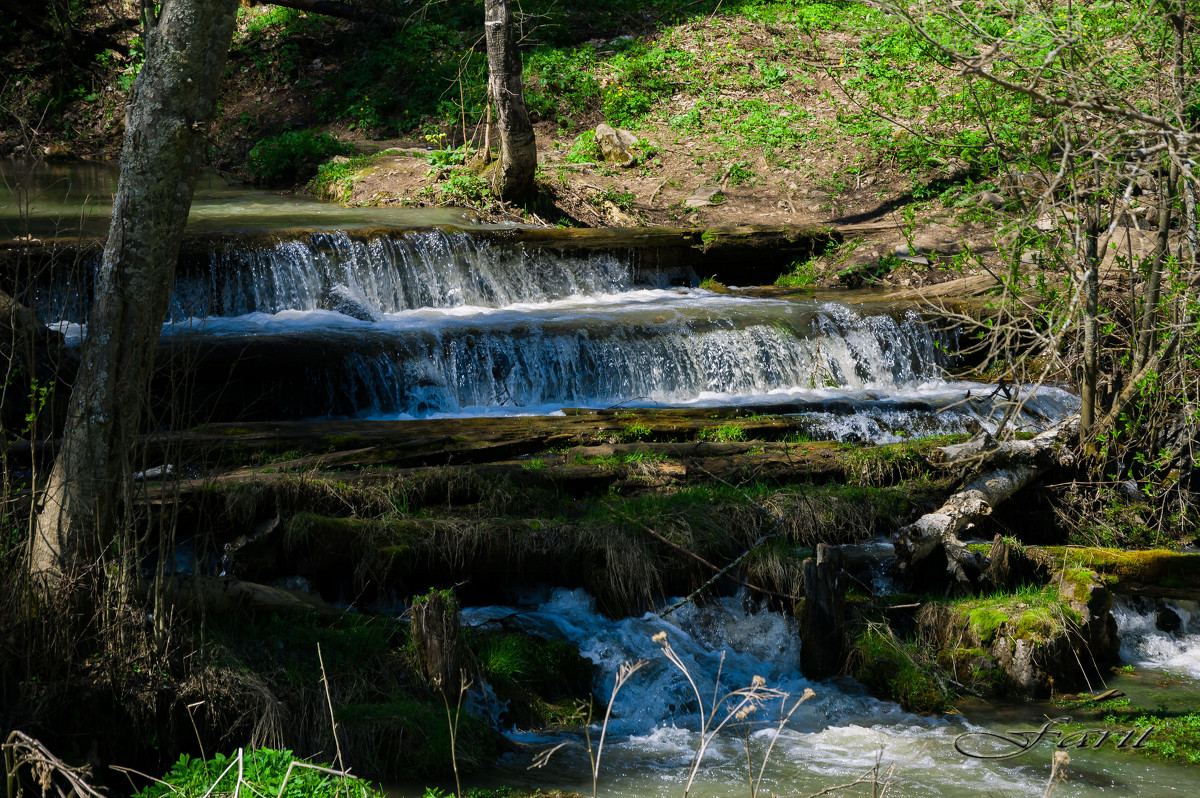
x,y
512,176
171,103
1091,325
1148,322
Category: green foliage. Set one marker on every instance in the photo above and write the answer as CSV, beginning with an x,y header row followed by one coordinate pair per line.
x,y
802,275
454,156
560,84
635,431
465,188
334,174
264,771
726,433
583,149
897,670
290,157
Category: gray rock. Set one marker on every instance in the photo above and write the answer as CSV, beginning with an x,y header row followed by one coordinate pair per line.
x,y
343,299
991,199
616,145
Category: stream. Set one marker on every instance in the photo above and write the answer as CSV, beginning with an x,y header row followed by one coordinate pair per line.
x,y
429,319
303,314
834,737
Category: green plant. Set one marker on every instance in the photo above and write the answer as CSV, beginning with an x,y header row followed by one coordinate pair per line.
x,y
263,771
897,670
583,148
726,433
453,156
466,188
635,431
290,157
802,274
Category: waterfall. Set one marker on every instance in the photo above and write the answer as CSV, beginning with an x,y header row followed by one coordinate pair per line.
x,y
400,270
649,347
1146,643
400,323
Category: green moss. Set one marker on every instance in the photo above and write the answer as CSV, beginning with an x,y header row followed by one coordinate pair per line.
x,y
893,669
1175,736
985,622
1153,566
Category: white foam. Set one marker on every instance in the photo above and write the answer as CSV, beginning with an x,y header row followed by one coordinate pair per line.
x,y
1145,645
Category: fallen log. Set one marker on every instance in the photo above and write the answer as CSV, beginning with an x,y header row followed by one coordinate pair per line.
x,y
929,548
211,594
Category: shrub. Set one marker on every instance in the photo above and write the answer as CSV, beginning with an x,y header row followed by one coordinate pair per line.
x,y
291,157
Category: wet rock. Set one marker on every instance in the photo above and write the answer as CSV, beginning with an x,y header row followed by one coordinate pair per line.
x,y
1167,620
348,301
616,145
1005,646
57,152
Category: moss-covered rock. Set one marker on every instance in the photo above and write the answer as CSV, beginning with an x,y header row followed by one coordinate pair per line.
x,y
1028,643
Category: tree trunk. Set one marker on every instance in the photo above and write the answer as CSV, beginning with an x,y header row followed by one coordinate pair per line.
x,y
511,178
1091,326
172,101
442,656
823,626
929,550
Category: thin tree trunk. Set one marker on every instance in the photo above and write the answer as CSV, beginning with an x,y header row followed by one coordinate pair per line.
x,y
1091,327
1148,322
512,178
171,103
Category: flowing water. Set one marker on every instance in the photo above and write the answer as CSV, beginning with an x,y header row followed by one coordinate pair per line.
x,y
831,739
424,320
431,321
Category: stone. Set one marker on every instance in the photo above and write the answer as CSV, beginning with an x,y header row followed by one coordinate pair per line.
x,y
1167,620
56,152
343,299
616,145
990,199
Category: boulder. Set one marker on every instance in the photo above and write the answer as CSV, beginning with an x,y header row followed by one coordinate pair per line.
x,y
616,145
351,302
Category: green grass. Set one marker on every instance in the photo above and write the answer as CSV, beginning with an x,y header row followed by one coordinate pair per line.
x,y
802,275
726,433
265,770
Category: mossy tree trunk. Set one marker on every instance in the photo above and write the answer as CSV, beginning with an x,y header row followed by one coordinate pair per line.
x,y
170,106
512,177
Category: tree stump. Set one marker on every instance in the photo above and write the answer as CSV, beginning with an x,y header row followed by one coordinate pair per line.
x,y
823,623
441,655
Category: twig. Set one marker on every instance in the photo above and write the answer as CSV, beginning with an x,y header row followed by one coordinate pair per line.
x,y
332,719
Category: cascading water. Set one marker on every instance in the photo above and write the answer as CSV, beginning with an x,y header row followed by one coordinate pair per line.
x,y
1160,635
831,739
438,321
